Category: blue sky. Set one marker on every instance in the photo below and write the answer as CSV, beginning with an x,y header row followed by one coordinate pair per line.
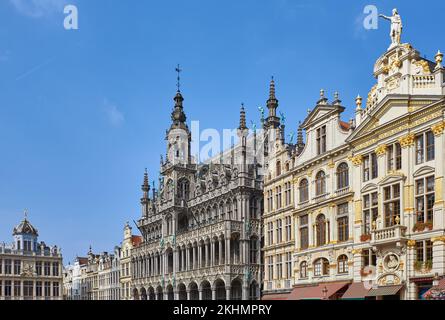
x,y
83,112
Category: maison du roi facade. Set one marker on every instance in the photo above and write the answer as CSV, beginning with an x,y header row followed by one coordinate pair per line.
x,y
357,211
29,270
201,230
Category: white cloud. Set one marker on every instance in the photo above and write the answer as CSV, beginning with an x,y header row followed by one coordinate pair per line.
x,y
38,8
115,117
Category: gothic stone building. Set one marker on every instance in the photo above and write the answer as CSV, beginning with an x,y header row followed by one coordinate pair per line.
x,y
202,229
29,270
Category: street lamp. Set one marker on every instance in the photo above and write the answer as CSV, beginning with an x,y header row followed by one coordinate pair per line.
x,y
325,293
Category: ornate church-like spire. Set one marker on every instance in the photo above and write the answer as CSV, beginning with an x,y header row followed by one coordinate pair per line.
x,y
272,120
242,118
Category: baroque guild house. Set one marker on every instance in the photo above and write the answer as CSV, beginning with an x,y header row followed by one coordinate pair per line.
x,y
356,211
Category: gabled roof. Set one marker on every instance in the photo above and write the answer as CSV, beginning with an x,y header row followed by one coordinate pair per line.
x,y
326,109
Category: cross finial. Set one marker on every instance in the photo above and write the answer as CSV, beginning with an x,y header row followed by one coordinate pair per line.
x,y
25,213
178,84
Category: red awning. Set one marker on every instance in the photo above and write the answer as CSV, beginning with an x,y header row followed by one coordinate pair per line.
x,y
317,292
299,293
356,290
276,296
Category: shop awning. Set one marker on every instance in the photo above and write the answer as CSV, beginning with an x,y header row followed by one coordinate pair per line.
x,y
300,293
384,291
276,296
356,290
317,292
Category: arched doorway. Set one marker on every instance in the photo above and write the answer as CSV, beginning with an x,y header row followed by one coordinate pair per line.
x,y
143,294
135,294
236,290
220,288
159,293
206,290
170,294
151,293
182,291
253,291
194,293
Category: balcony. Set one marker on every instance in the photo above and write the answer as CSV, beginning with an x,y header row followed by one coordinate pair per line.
x,y
342,191
387,235
321,197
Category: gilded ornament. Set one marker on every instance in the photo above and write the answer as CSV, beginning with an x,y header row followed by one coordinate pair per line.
x,y
438,239
438,128
381,150
424,65
411,243
407,140
357,160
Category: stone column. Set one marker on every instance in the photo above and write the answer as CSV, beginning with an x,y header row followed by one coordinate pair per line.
x,y
220,253
245,291
212,252
438,255
200,293
200,258
228,260
194,257
213,293
188,294
228,292
357,256
208,254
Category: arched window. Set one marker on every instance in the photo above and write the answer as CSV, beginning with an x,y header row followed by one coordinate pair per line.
x,y
342,264
342,176
183,189
253,248
278,171
304,190
320,183
321,230
321,267
303,270
253,208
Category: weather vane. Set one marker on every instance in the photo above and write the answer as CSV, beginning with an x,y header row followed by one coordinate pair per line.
x,y
178,70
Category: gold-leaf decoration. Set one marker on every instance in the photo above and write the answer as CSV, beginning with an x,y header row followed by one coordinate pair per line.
x,y
381,150
407,140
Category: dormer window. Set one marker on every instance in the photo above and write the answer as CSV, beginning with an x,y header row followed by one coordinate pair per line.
x,y
321,140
